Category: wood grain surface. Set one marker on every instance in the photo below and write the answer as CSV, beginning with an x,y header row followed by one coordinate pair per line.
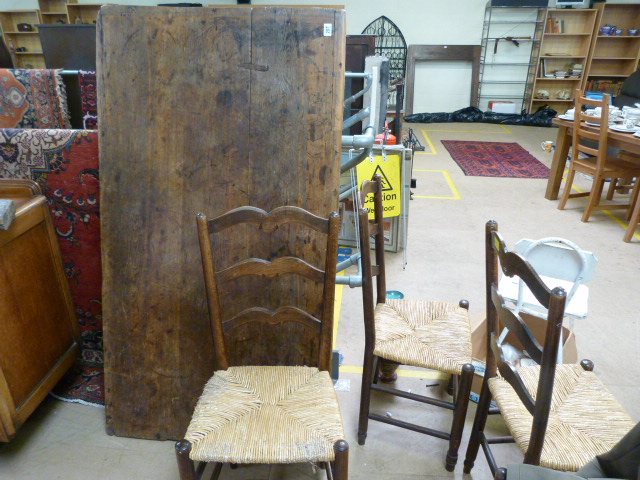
x,y
201,110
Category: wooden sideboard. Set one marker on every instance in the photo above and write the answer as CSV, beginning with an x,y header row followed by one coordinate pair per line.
x,y
39,339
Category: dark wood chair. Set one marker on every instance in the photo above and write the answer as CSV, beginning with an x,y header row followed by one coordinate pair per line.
x,y
421,333
271,398
560,415
596,162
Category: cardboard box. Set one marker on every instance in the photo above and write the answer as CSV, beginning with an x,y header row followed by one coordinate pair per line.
x,y
536,325
502,106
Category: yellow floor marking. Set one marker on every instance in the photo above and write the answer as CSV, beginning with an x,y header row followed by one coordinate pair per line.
x,y
433,148
618,221
447,177
432,375
428,140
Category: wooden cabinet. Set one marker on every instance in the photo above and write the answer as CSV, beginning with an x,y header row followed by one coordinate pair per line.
x,y
25,45
565,48
613,57
39,337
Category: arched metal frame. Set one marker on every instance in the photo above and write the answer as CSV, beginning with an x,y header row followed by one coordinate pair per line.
x,y
390,43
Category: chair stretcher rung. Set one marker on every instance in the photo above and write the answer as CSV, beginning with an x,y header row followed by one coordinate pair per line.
x,y
413,396
410,426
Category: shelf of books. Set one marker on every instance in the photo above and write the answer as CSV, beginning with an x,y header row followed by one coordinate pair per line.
x,y
615,47
563,54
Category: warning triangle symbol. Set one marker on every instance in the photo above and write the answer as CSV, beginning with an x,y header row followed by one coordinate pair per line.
x,y
386,185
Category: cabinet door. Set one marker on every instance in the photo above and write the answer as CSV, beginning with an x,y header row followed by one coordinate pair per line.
x,y
38,330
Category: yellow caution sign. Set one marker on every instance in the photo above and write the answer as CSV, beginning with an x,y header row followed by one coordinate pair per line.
x,y
389,169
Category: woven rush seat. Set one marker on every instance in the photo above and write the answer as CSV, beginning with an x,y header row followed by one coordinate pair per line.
x,y
423,333
266,414
585,418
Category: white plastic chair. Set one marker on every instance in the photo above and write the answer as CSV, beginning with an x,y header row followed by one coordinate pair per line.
x,y
560,263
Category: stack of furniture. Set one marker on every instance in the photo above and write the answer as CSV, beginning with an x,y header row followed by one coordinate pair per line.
x,y
560,415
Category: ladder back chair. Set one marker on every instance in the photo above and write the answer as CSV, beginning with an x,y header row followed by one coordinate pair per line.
x,y
634,218
271,398
597,163
421,333
560,415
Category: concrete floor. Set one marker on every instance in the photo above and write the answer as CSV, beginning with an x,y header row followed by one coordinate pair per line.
x,y
445,261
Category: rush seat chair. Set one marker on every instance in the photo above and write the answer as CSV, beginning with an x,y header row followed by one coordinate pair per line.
x,y
421,333
560,415
271,398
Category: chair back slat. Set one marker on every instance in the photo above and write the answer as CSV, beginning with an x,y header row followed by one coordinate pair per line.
x,y
268,222
514,323
597,132
281,315
268,304
265,268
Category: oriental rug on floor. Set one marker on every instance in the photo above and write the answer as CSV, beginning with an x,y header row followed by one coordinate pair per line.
x,y
495,159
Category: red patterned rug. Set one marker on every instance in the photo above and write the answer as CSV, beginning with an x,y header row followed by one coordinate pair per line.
x,y
88,92
65,164
32,99
495,159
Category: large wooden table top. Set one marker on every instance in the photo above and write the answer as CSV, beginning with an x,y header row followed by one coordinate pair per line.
x,y
623,141
201,110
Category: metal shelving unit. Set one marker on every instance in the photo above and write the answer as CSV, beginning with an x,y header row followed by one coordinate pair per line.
x,y
511,39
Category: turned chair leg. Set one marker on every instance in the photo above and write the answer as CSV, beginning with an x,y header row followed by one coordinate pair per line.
x,y
186,467
459,415
368,372
341,464
477,431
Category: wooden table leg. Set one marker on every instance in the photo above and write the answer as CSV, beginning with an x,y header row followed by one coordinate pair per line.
x,y
563,142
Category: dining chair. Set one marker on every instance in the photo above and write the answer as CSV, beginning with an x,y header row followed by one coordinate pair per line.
x,y
559,415
634,218
594,161
271,398
421,333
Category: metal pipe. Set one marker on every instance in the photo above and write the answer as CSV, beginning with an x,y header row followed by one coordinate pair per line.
x,y
360,141
368,80
347,193
352,260
353,119
350,163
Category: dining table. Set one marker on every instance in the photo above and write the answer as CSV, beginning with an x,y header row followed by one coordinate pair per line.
x,y
623,141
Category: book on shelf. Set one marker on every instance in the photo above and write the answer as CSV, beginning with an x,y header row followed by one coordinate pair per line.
x,y
554,25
